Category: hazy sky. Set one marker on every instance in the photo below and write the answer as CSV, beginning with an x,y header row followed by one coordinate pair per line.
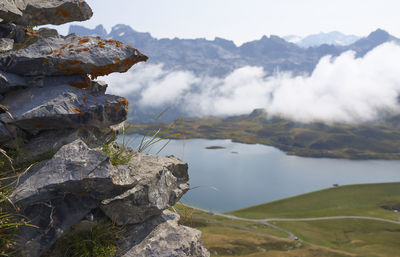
x,y
246,20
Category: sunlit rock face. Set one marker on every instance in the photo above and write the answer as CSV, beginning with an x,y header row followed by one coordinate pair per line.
x,y
54,114
38,12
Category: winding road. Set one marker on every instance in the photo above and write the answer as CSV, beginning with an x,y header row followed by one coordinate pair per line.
x,y
290,234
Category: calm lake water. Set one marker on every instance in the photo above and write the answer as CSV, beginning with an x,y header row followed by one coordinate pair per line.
x,y
242,175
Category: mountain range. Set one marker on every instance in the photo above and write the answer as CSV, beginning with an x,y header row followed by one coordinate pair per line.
x,y
220,56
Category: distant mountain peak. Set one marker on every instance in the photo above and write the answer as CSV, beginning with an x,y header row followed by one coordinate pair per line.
x,y
99,30
374,39
224,42
122,27
329,38
379,34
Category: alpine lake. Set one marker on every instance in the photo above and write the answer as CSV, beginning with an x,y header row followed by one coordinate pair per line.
x,y
226,176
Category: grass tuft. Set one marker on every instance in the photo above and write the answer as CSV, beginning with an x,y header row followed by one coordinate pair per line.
x,y
10,220
118,154
99,241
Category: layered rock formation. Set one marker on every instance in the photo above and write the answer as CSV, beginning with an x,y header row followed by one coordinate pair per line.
x,y
55,119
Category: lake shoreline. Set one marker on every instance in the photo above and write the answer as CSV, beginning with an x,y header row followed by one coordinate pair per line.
x,y
258,174
316,140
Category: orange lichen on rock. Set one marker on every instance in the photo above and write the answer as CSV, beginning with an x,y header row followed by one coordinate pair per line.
x,y
81,84
84,100
76,70
46,61
62,12
80,50
121,66
130,47
126,102
82,41
118,44
71,45
73,62
101,44
123,102
77,111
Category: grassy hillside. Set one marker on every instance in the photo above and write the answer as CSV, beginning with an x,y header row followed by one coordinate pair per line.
x,y
368,141
319,238
227,237
374,200
331,238
360,237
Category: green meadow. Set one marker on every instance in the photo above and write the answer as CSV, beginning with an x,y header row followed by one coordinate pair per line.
x,y
226,236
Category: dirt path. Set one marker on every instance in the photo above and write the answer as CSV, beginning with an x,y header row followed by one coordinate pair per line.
x,y
290,234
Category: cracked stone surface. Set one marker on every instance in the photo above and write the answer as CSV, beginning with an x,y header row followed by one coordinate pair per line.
x,y
162,237
38,12
79,171
52,217
71,55
10,81
6,44
58,105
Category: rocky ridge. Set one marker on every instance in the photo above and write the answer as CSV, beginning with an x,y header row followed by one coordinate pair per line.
x,y
220,57
55,118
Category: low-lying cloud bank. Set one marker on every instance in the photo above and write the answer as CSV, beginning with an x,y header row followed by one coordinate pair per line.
x,y
341,89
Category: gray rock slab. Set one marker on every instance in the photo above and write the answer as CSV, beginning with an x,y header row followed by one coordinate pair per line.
x,y
6,44
4,134
58,105
10,81
52,218
44,145
46,32
7,30
74,169
77,169
98,87
162,237
159,184
11,8
71,55
39,12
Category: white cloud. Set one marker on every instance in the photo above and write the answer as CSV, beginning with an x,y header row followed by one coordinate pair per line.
x,y
167,89
341,89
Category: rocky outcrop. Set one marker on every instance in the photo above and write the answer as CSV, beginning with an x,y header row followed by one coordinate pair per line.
x,y
38,12
68,55
162,237
56,120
